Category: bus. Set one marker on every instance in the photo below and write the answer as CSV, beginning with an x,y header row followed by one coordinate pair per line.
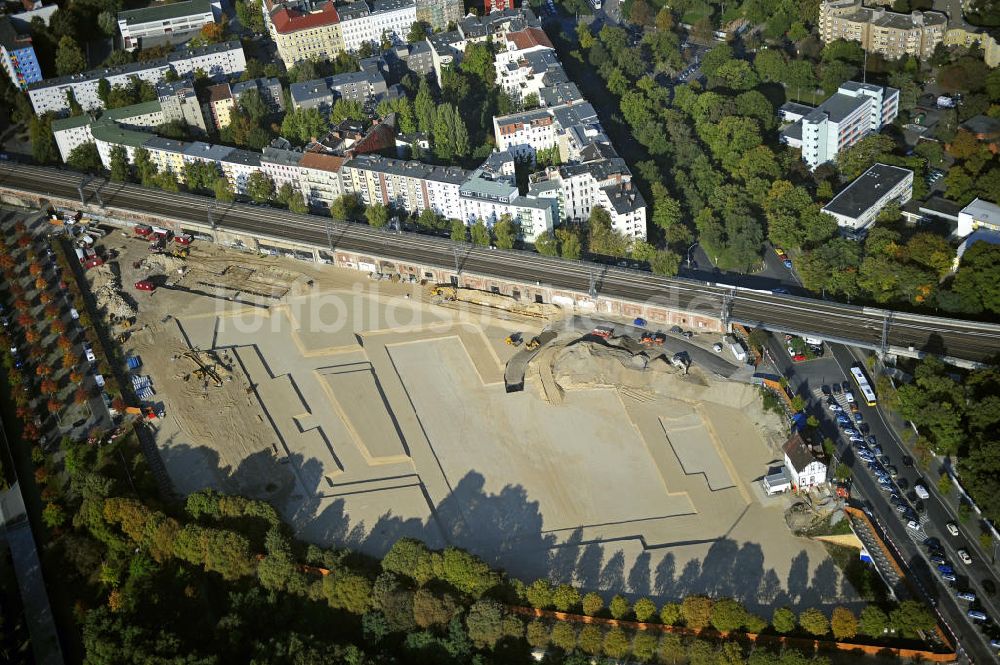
x,y
863,385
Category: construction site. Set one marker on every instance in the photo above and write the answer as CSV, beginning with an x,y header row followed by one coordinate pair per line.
x,y
369,407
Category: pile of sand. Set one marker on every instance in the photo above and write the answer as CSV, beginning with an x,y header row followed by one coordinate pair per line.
x,y
504,303
161,264
587,365
107,292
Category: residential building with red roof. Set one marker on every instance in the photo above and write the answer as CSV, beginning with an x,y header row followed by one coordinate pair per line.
x,y
304,29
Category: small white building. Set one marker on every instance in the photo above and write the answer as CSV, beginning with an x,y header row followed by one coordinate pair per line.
x,y
978,216
166,22
805,467
859,204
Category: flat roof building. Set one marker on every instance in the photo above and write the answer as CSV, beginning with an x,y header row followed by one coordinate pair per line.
x,y
857,207
166,22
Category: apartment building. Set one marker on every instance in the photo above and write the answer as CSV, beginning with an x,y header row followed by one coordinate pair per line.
x,y
439,13
238,166
18,55
487,195
180,104
282,166
167,155
269,89
447,48
166,22
570,127
320,179
603,181
857,207
408,185
217,60
497,5
846,117
361,87
881,31
303,29
377,20
527,65
73,132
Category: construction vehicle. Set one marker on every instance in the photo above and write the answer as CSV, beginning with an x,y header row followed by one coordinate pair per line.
x,y
513,339
447,292
180,252
203,370
681,360
653,338
533,344
604,332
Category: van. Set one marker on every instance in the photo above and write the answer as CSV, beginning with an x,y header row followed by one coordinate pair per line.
x,y
921,491
738,351
813,341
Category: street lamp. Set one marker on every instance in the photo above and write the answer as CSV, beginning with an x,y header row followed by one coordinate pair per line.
x,y
690,249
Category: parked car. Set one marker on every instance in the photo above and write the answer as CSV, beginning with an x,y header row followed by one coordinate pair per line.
x,y
717,347
913,526
945,568
921,491
849,396
89,353
977,615
964,556
949,577
836,408
952,528
966,595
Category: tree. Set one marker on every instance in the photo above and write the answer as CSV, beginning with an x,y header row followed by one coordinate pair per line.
x,y
564,636
862,155
211,33
432,610
539,594
670,614
425,108
616,645
53,515
120,169
644,646
377,215
466,572
538,634
843,623
592,604
784,620
728,615
644,609
348,591
484,621
250,16
458,231
85,157
506,232
546,244
665,262
223,190
260,187
43,145
619,607
347,109
590,640
911,618
814,621
69,57
479,233
696,611
346,208
410,557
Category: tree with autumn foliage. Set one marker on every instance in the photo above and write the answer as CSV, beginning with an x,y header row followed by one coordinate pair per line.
x,y
31,335
65,344
53,406
69,360
81,396
43,370
49,387
59,326
25,320
41,284
30,432
23,241
34,270
75,377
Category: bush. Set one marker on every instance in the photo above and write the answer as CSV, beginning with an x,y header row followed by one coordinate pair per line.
x,y
592,604
814,622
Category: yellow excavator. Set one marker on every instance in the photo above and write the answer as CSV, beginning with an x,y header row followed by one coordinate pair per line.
x,y
514,339
533,344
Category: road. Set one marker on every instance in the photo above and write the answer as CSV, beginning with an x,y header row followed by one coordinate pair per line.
x,y
807,379
833,321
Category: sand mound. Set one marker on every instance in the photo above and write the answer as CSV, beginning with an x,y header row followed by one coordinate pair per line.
x,y
161,264
107,291
588,365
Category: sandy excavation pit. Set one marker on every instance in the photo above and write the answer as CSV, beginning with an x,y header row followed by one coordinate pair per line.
x,y
369,410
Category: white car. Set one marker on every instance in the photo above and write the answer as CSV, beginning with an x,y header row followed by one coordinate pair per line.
x,y
73,314
849,396
89,353
836,408
952,528
964,556
913,526
921,491
717,347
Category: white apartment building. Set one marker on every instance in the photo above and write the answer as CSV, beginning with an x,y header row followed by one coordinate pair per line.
x,y
604,182
489,196
882,31
320,183
282,167
237,166
570,127
846,117
177,20
361,23
857,207
409,185
72,132
216,60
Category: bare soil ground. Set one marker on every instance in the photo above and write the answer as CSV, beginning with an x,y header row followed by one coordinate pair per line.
x,y
368,410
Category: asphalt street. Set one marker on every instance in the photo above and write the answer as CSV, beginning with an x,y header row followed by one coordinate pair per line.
x,y
807,379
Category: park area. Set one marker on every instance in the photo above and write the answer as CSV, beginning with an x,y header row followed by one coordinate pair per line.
x,y
366,410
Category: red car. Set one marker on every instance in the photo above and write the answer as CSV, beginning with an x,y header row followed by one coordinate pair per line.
x,y
143,230
145,285
602,331
182,239
798,357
